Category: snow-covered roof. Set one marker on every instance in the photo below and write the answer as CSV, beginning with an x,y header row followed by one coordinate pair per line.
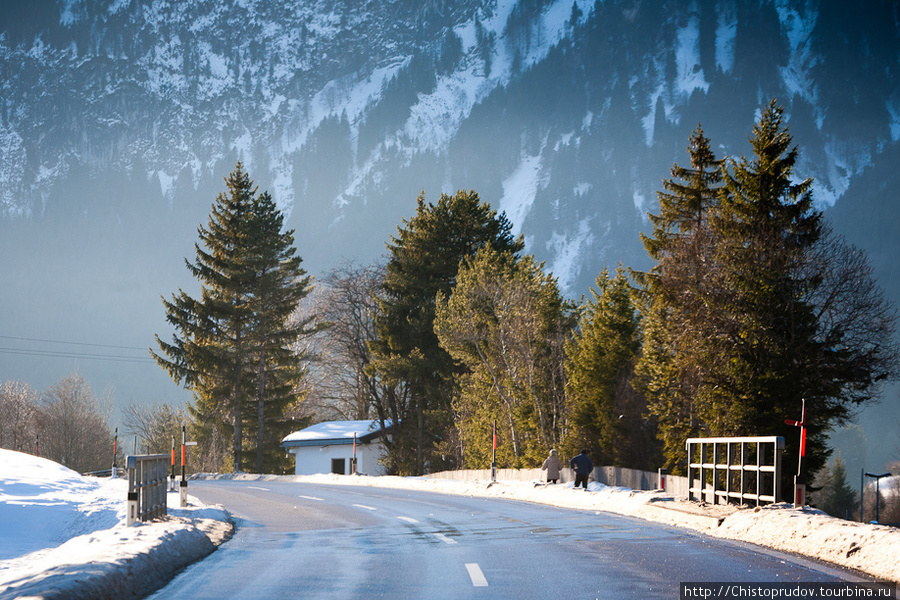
x,y
335,432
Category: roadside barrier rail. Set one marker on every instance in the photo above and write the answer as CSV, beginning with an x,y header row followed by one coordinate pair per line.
x,y
746,469
147,475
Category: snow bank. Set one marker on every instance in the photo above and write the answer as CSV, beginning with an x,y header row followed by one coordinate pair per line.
x,y
63,535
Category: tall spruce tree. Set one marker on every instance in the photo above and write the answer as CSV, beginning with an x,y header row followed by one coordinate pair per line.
x,y
277,285
424,260
677,319
768,348
232,345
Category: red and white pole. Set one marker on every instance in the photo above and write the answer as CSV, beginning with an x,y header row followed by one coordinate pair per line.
x,y
183,463
172,486
800,477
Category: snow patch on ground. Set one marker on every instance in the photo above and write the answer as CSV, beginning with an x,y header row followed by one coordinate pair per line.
x,y
63,535
520,190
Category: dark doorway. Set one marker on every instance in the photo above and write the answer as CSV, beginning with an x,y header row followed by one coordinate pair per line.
x,y
338,466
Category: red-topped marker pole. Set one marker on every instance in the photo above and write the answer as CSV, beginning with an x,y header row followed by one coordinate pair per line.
x,y
184,445
800,477
173,465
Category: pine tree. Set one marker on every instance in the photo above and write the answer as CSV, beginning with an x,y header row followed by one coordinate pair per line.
x,y
606,414
767,347
677,319
424,259
838,499
688,199
753,307
232,346
278,284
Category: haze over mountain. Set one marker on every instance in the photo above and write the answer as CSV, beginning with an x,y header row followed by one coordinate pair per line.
x,y
119,120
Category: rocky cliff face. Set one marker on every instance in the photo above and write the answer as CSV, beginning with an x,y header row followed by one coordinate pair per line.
x,y
118,120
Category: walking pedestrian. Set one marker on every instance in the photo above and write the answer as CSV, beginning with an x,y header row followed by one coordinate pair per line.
x,y
552,465
583,467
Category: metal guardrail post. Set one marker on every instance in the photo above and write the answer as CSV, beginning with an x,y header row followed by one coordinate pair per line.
x,y
721,469
146,487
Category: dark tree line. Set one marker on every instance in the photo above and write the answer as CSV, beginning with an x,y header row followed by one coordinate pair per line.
x,y
753,306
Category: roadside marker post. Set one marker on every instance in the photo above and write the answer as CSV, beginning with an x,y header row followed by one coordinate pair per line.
x,y
800,477
494,455
184,445
114,470
172,486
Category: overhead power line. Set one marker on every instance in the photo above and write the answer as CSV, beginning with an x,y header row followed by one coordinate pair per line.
x,y
61,353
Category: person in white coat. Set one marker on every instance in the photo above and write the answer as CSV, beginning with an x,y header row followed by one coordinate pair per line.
x,y
552,465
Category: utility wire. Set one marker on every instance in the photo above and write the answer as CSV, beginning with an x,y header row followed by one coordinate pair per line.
x,y
75,354
26,339
55,354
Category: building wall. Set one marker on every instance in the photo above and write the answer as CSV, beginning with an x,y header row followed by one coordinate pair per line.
x,y
312,460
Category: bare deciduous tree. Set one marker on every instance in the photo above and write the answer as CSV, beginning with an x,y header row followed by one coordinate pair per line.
x,y
18,414
74,426
155,426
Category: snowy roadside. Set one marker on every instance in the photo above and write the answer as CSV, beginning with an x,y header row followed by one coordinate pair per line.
x,y
871,549
63,535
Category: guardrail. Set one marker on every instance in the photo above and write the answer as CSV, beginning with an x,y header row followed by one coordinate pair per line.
x,y
612,476
741,468
146,487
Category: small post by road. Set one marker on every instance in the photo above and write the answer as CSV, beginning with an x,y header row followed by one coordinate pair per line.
x,y
353,460
494,455
862,494
661,478
172,487
877,479
800,477
113,471
184,445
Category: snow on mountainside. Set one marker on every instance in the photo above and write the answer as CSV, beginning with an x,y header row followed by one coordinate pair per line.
x,y
119,119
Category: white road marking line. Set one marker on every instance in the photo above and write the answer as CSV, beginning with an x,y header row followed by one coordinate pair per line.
x,y
408,519
312,498
445,539
365,507
476,575
251,487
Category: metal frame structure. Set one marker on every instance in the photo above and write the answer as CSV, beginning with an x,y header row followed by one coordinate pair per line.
x,y
744,469
147,474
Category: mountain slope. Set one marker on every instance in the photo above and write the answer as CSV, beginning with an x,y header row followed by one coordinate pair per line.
x,y
119,119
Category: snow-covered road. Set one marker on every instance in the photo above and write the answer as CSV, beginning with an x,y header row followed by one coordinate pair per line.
x,y
337,542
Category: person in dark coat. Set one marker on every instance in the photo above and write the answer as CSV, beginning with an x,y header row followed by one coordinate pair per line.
x,y
583,467
552,465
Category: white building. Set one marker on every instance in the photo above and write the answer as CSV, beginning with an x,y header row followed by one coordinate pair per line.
x,y
328,447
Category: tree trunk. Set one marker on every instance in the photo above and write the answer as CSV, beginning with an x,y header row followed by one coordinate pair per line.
x,y
260,409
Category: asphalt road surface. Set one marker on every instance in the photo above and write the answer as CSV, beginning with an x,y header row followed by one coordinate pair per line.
x,y
296,540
